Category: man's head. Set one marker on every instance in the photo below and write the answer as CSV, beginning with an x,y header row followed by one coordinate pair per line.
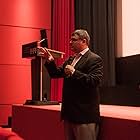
x,y
79,40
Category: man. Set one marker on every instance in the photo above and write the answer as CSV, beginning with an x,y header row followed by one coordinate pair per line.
x,y
82,75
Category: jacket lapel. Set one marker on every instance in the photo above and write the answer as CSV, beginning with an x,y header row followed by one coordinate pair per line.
x,y
82,60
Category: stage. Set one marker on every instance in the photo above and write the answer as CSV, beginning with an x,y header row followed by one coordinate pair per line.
x,y
43,122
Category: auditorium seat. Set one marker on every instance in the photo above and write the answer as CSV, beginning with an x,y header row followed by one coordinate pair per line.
x,y
7,134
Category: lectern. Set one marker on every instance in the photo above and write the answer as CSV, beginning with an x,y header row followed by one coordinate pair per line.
x,y
31,51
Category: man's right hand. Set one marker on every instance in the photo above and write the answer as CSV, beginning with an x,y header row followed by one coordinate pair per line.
x,y
45,53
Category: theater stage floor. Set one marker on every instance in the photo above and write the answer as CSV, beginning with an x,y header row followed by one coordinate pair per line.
x,y
43,122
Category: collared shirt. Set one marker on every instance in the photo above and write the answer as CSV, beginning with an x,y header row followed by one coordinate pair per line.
x,y
78,56
84,51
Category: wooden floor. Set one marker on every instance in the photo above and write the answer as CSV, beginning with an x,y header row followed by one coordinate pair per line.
x,y
39,122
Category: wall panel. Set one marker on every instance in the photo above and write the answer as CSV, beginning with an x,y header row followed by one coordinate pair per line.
x,y
11,40
15,84
5,111
20,23
27,13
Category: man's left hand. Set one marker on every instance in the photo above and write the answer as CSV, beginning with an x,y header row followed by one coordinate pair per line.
x,y
69,70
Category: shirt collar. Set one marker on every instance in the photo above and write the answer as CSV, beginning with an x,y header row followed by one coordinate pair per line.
x,y
84,51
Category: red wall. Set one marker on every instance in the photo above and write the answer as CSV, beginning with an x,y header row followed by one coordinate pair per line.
x,y
20,23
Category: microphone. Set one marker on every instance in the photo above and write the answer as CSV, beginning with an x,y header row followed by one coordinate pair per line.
x,y
41,40
68,62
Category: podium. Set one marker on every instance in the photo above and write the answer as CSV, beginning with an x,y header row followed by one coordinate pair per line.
x,y
31,51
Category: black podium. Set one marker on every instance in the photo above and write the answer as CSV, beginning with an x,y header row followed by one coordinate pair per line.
x,y
31,51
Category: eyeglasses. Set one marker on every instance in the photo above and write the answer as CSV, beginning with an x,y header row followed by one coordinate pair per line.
x,y
74,39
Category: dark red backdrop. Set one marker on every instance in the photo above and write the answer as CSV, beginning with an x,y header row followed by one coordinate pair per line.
x,y
63,25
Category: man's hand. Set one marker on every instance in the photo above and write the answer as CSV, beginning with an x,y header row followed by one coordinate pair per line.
x,y
45,53
69,70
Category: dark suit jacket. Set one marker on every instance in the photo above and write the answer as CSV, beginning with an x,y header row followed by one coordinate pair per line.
x,y
80,100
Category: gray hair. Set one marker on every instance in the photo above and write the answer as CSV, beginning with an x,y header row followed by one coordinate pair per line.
x,y
83,34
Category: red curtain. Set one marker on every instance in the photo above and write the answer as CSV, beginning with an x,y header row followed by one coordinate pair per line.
x,y
62,26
